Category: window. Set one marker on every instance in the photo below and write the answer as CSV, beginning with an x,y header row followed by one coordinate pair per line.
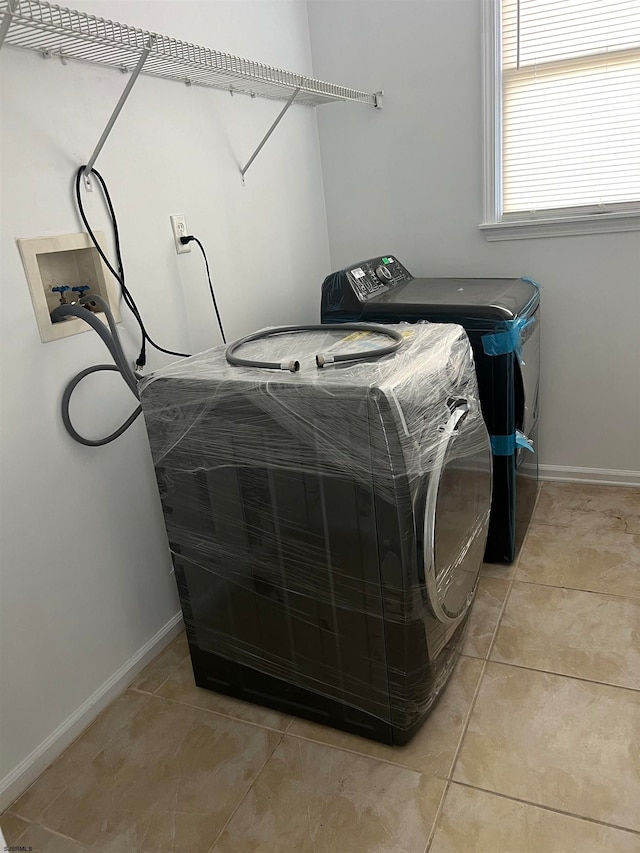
x,y
562,117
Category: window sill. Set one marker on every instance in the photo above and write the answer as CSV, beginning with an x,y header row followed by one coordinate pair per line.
x,y
565,226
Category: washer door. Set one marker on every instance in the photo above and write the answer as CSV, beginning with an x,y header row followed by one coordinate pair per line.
x,y
455,523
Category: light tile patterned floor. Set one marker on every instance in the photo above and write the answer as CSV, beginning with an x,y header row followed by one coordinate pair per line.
x,y
534,747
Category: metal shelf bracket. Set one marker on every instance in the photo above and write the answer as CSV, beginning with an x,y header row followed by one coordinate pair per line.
x,y
86,175
6,21
243,171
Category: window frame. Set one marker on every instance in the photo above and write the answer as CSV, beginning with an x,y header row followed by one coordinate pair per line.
x,y
495,226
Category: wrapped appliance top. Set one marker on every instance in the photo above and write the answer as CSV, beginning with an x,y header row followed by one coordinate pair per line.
x,y
433,344
203,412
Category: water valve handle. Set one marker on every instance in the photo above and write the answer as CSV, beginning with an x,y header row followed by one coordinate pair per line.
x,y
62,289
80,289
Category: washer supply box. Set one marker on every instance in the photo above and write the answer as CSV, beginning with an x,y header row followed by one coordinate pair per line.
x,y
327,526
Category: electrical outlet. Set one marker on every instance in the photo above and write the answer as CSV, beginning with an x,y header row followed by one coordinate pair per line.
x,y
179,228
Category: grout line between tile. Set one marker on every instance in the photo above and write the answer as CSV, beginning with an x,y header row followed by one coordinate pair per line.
x,y
465,726
491,644
551,671
173,668
221,714
542,485
8,812
364,755
19,836
472,657
547,808
513,577
564,675
56,833
244,796
436,818
164,681
586,529
91,757
499,619
577,588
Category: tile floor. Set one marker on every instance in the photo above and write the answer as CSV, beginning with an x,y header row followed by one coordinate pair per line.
x,y
533,748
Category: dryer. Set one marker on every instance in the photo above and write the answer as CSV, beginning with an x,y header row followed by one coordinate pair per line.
x,y
502,319
327,526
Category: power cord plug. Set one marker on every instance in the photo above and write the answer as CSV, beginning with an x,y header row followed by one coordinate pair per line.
x,y
141,360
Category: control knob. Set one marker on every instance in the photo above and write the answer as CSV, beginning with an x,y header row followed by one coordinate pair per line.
x,y
384,273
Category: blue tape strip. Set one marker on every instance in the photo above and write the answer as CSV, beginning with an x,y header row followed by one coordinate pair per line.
x,y
506,445
530,280
509,340
524,442
501,343
503,445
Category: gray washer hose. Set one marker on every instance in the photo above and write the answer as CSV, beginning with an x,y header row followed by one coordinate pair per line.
x,y
321,360
111,340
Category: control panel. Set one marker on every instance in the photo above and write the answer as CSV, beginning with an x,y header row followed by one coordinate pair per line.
x,y
376,276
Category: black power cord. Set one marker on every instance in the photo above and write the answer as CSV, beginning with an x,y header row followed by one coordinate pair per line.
x,y
110,337
119,273
189,239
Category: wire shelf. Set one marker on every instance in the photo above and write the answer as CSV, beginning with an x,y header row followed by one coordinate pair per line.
x,y
57,31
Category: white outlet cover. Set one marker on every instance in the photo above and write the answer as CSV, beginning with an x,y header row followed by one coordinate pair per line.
x,y
179,228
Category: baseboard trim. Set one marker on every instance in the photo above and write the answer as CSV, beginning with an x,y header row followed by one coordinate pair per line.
x,y
13,785
602,476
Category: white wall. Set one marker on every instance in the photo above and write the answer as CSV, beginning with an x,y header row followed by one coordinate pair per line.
x,y
408,180
85,570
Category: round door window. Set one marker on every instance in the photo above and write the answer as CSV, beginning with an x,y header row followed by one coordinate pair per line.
x,y
456,520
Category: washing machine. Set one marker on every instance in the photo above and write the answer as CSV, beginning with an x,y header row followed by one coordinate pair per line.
x,y
501,317
326,526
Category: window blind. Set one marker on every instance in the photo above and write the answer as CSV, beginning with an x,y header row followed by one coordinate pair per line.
x,y
570,105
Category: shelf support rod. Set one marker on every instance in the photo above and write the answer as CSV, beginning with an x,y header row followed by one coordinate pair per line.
x,y
114,115
6,21
269,132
